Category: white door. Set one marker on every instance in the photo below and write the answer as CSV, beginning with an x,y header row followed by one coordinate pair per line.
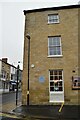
x,y
56,86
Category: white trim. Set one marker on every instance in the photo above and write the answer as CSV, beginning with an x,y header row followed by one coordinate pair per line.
x,y
56,101
56,92
53,22
3,79
55,56
60,47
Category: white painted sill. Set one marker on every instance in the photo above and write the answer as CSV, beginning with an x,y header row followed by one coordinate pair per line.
x,y
54,56
49,23
57,92
56,101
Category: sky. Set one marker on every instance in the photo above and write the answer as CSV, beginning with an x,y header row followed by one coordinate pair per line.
x,y
12,25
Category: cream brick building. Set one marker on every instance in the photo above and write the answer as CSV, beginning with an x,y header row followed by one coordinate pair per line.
x,y
54,55
8,76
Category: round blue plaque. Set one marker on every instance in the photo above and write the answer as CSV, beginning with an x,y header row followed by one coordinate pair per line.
x,y
41,79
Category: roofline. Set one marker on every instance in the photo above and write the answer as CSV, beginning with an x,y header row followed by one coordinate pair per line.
x,y
10,65
52,8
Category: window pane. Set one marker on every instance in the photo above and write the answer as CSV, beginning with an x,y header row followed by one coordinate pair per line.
x,y
54,48
50,41
56,84
55,20
51,52
60,72
58,41
55,53
55,16
60,89
58,51
56,88
51,77
54,41
50,48
56,78
55,72
60,77
51,88
51,84
60,83
51,72
58,48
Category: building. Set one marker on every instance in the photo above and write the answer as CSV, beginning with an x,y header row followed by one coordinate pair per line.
x,y
4,76
8,76
54,75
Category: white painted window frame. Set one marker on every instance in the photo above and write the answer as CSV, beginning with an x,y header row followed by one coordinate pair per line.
x,y
52,20
60,47
55,92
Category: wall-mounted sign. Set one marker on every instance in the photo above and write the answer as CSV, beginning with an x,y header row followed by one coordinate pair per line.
x,y
76,82
41,79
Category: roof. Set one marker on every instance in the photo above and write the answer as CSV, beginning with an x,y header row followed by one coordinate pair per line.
x,y
10,65
51,8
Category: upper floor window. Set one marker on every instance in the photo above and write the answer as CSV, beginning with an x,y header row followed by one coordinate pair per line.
x,y
12,70
53,18
3,74
12,76
54,46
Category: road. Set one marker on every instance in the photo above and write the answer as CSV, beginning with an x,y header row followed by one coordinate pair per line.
x,y
7,104
9,97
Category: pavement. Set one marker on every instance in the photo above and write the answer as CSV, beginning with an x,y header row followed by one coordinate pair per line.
x,y
40,112
6,110
49,112
10,111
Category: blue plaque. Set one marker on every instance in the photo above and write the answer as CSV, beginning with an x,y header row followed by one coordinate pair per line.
x,y
41,79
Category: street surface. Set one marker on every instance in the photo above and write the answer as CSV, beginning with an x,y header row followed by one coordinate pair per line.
x,y
9,97
34,112
8,104
49,112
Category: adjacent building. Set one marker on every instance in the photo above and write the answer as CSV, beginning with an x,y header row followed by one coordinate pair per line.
x,y
8,76
54,75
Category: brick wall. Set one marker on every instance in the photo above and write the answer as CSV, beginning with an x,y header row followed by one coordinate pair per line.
x,y
36,24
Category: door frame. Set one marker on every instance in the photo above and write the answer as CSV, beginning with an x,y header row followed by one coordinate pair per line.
x,y
56,94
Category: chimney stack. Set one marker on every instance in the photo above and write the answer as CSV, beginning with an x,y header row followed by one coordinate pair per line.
x,y
5,60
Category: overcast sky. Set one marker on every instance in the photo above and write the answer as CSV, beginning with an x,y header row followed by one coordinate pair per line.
x,y
12,25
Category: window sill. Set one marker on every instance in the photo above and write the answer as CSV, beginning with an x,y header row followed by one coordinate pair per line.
x,y
76,88
53,23
54,56
57,92
56,101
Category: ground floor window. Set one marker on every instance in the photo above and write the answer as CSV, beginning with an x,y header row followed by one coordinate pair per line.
x,y
3,84
56,80
6,86
0,84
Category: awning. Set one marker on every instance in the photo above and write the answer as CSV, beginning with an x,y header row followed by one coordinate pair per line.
x,y
13,83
